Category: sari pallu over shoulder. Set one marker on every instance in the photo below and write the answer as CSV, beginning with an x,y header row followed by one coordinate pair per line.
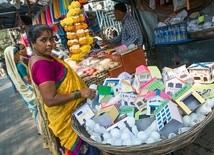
x,y
49,139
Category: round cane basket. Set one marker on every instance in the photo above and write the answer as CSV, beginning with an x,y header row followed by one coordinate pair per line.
x,y
161,147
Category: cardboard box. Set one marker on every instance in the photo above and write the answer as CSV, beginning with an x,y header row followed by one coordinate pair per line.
x,y
132,59
129,61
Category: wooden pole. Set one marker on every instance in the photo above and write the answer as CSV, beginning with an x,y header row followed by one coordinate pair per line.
x,y
188,5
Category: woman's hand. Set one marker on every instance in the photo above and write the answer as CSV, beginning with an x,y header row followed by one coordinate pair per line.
x,y
27,79
88,93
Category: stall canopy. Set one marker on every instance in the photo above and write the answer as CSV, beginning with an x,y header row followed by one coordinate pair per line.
x,y
14,13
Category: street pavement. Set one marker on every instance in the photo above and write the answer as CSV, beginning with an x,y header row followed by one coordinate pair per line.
x,y
18,132
204,143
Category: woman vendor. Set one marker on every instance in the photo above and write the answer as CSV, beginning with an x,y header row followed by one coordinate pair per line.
x,y
60,88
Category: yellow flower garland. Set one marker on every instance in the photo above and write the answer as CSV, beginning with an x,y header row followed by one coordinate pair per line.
x,y
75,21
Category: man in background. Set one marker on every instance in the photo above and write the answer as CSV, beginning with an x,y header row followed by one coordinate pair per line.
x,y
130,33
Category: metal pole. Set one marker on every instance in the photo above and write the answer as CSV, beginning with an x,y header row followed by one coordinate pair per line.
x,y
5,13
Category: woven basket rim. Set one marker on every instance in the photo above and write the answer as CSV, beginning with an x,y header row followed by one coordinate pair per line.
x,y
179,140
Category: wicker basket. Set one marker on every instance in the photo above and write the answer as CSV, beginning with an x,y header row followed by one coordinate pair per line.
x,y
161,147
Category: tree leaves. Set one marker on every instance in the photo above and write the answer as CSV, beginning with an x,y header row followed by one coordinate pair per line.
x,y
6,39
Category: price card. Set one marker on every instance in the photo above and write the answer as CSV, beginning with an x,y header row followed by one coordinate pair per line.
x,y
201,19
205,90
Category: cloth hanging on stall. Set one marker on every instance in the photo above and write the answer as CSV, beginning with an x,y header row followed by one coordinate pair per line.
x,y
62,35
48,15
60,31
35,20
43,20
52,13
63,10
39,18
66,4
56,9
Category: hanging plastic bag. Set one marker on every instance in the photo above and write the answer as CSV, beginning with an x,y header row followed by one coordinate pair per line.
x,y
152,4
179,4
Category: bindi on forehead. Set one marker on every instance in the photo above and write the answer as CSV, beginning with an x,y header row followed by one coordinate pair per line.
x,y
48,32
45,33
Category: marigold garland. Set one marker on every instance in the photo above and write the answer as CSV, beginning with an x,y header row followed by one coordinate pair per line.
x,y
79,40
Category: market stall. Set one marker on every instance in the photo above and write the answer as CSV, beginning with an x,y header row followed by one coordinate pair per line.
x,y
108,63
177,33
131,113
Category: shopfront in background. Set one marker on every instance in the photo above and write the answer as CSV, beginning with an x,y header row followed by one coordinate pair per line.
x,y
172,46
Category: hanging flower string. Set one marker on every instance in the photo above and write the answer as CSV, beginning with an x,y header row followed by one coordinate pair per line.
x,y
77,32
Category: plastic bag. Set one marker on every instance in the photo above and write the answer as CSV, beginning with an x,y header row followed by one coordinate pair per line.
x,y
179,4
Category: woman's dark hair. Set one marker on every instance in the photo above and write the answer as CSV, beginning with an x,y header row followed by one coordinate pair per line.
x,y
17,46
35,32
15,50
121,7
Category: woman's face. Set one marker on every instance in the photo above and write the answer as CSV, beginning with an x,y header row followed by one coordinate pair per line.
x,y
16,57
44,44
22,50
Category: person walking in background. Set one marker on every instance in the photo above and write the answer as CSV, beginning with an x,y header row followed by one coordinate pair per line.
x,y
2,71
21,61
130,32
21,82
60,89
17,66
24,58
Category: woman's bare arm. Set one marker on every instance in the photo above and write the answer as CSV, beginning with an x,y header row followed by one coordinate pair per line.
x,y
51,98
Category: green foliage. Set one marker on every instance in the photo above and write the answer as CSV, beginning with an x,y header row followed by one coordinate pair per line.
x,y
7,38
5,41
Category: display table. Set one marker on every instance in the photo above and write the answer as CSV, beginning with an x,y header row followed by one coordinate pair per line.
x,y
174,55
95,69
130,60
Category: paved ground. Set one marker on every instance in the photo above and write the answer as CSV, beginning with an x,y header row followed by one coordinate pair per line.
x,y
204,143
18,133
